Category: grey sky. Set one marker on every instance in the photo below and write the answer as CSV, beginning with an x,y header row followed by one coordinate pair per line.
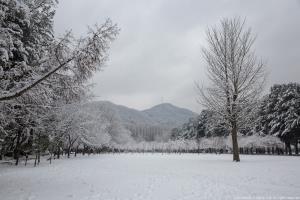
x,y
157,55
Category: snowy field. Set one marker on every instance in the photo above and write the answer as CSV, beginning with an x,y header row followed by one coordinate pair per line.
x,y
154,176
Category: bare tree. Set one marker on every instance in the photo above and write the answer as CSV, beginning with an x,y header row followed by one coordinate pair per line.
x,y
237,76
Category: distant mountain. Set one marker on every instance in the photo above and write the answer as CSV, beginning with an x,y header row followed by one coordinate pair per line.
x,y
158,120
132,116
168,115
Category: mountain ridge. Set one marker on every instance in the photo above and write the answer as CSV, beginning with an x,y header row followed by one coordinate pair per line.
x,y
164,115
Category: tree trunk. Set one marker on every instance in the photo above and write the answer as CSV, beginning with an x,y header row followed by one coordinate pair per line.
x,y
296,148
69,149
35,160
39,157
58,152
50,159
76,150
288,149
17,148
235,147
84,149
39,149
26,158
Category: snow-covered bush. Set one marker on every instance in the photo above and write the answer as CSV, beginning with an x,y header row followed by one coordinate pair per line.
x,y
260,141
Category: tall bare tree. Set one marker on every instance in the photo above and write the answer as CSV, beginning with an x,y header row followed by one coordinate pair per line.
x,y
237,76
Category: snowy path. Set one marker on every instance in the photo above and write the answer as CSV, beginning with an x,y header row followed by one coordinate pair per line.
x,y
154,176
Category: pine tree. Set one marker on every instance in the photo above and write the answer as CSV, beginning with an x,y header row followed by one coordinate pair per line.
x,y
279,114
205,125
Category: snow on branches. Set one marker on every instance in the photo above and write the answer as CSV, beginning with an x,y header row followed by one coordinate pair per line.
x,y
39,72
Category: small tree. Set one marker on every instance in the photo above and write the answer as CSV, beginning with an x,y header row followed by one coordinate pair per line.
x,y
236,75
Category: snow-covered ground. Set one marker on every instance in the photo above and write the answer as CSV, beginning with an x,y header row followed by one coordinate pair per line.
x,y
154,176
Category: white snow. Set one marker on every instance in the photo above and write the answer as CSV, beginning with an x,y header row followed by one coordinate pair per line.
x,y
154,176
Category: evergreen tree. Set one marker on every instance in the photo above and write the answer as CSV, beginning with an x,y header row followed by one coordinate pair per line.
x,y
279,113
205,125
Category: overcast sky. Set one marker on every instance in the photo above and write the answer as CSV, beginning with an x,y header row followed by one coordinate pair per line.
x,y
157,56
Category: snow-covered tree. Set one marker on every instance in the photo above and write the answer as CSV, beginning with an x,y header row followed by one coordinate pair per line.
x,y
236,75
279,114
38,71
207,124
77,124
87,124
29,58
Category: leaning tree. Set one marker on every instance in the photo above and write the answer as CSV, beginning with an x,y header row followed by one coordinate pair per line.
x,y
235,73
